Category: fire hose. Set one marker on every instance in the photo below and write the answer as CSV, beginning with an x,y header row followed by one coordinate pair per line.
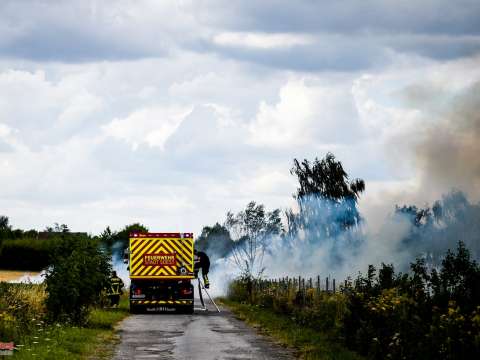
x,y
200,288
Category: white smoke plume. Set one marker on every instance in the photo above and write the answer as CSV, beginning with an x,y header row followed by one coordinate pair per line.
x,y
446,159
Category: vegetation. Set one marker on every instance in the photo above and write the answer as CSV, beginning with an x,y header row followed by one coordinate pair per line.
x,y
24,320
252,228
433,228
26,253
30,250
324,193
428,313
79,272
309,342
215,241
110,238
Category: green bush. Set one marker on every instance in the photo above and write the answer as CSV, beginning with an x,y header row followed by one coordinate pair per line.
x,y
79,272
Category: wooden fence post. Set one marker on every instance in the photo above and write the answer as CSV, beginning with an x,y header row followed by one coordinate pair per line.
x,y
303,291
326,284
334,286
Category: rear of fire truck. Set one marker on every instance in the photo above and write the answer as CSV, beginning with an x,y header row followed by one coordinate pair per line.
x,y
161,272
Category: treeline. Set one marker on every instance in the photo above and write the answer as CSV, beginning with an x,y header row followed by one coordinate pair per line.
x,y
427,313
33,250
29,250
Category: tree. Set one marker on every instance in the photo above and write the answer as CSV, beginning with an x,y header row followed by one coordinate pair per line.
x,y
107,237
215,241
252,228
4,223
326,198
61,228
5,228
118,241
78,273
435,229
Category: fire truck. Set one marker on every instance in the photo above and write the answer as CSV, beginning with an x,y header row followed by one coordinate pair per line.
x,y
161,271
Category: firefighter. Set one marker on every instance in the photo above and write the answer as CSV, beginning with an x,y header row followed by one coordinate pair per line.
x,y
202,261
115,289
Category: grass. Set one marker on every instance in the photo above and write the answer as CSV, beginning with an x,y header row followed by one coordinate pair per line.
x,y
309,343
95,341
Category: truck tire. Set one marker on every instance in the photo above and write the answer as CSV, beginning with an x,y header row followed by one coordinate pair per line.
x,y
186,309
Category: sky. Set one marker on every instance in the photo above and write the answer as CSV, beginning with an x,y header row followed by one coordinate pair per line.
x,y
171,113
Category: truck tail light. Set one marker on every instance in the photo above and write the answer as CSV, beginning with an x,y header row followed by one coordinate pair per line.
x,y
186,291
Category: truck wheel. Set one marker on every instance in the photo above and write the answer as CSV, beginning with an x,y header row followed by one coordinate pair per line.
x,y
187,309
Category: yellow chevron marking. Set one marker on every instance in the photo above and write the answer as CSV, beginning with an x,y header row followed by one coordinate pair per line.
x,y
182,247
138,259
154,247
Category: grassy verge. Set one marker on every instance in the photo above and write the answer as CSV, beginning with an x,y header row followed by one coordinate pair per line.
x,y
309,343
95,341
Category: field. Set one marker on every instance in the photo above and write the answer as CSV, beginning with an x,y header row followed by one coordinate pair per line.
x,y
9,275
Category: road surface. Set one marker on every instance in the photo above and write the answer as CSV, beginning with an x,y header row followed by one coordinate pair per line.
x,y
203,335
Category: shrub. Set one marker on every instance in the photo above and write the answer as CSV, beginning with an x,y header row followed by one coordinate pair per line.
x,y
79,272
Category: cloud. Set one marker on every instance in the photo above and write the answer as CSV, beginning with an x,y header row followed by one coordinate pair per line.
x,y
304,114
151,126
261,41
302,36
55,110
104,105
427,17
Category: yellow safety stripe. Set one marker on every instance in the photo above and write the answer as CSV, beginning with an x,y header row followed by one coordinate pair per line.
x,y
161,302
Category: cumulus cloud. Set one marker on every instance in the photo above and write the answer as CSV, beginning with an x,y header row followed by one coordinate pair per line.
x,y
152,126
306,113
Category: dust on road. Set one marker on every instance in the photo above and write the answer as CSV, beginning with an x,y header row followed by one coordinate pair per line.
x,y
203,335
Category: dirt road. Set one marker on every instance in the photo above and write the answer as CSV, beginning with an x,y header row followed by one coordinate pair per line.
x,y
203,335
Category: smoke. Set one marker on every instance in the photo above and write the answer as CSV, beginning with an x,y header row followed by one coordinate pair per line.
x,y
313,251
446,160
117,263
448,154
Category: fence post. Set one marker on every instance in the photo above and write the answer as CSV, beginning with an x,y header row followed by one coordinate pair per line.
x,y
326,284
303,291
299,283
318,284
334,285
